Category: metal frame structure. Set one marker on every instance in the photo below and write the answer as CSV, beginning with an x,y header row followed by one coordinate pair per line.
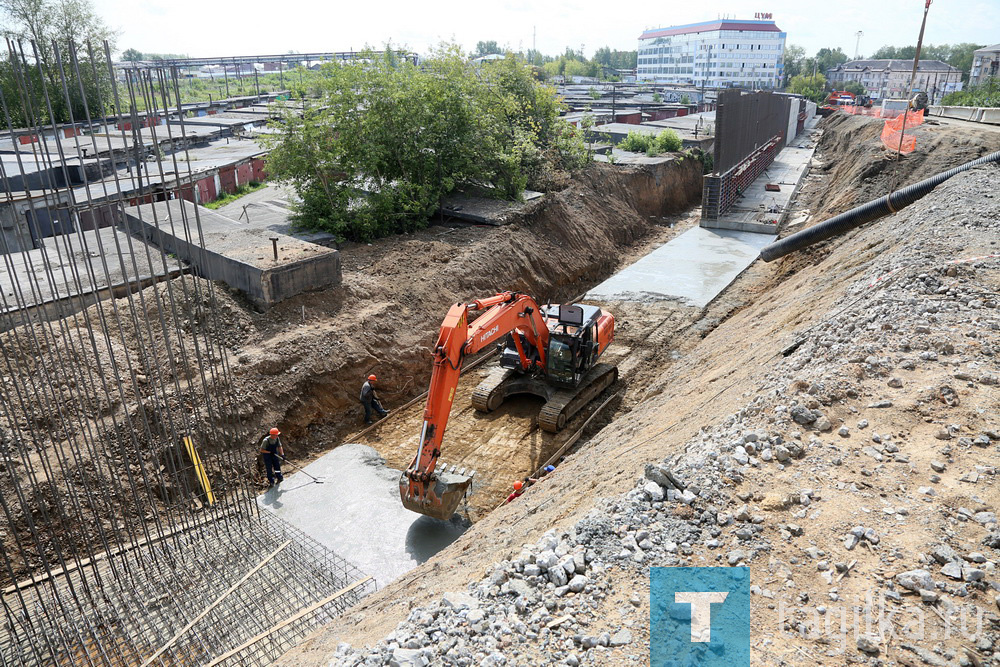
x,y
131,531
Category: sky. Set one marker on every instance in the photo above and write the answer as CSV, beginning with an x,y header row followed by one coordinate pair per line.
x,y
251,27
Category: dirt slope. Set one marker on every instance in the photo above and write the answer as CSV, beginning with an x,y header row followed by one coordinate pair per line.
x,y
752,416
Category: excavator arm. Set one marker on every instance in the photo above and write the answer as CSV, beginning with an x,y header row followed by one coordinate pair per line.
x,y
421,487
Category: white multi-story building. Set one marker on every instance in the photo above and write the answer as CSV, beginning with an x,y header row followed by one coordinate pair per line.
x,y
891,78
714,54
985,64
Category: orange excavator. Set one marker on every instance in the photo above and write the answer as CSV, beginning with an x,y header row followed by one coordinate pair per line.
x,y
550,351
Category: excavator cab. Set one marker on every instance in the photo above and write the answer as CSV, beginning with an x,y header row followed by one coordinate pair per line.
x,y
573,342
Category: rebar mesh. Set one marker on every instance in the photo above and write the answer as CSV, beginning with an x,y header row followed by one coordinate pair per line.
x,y
115,549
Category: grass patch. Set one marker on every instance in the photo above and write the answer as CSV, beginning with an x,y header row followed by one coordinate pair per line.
x,y
226,197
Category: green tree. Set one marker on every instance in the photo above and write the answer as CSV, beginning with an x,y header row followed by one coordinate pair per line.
x,y
854,87
986,94
487,48
578,68
793,59
886,53
54,27
809,86
616,59
391,139
131,55
829,58
961,57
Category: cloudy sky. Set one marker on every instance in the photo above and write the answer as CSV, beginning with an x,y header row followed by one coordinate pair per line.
x,y
247,27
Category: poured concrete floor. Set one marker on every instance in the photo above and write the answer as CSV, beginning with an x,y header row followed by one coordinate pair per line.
x,y
356,512
691,269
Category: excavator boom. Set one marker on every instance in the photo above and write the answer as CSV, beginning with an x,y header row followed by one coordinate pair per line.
x,y
422,487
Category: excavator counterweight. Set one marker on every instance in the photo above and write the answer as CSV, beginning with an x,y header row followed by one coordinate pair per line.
x,y
549,351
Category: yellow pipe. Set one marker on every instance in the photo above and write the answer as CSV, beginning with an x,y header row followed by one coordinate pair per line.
x,y
199,469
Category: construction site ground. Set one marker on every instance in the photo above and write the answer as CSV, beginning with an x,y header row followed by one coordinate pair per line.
x,y
693,381
697,381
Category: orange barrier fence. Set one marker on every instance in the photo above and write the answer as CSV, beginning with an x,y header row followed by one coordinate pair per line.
x,y
874,112
894,135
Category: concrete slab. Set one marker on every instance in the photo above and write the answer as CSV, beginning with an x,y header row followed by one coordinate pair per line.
x,y
692,268
764,211
356,512
484,210
68,273
270,208
239,255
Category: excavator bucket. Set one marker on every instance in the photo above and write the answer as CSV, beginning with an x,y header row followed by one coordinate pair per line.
x,y
439,498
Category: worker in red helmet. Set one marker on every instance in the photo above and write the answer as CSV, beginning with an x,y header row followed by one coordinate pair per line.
x,y
369,399
273,453
516,493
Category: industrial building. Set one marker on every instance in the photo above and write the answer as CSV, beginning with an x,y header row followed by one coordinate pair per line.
x,y
714,54
985,64
891,78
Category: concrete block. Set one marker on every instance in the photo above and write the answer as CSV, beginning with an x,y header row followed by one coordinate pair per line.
x,y
220,249
991,116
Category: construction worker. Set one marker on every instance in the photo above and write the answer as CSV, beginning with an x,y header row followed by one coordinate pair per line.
x,y
516,493
369,399
273,453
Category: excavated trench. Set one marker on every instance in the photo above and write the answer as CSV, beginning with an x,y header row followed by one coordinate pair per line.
x,y
558,250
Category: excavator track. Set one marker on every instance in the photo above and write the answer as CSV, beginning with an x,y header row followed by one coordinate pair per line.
x,y
489,395
565,403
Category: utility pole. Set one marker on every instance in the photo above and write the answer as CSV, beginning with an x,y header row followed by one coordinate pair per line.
x,y
857,45
920,42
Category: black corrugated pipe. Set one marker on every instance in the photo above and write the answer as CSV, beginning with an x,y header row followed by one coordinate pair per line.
x,y
873,210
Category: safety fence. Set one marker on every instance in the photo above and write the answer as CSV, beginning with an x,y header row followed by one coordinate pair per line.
x,y
874,112
894,136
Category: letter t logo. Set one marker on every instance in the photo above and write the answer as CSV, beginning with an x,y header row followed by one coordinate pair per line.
x,y
701,611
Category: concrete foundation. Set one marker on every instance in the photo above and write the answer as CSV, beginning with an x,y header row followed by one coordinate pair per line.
x,y
691,269
238,255
356,512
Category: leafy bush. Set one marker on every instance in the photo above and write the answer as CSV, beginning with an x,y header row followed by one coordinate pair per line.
x,y
666,141
636,142
707,159
392,139
984,95
227,197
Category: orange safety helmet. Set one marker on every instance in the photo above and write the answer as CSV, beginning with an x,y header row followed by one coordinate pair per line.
x,y
275,431
371,378
517,485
